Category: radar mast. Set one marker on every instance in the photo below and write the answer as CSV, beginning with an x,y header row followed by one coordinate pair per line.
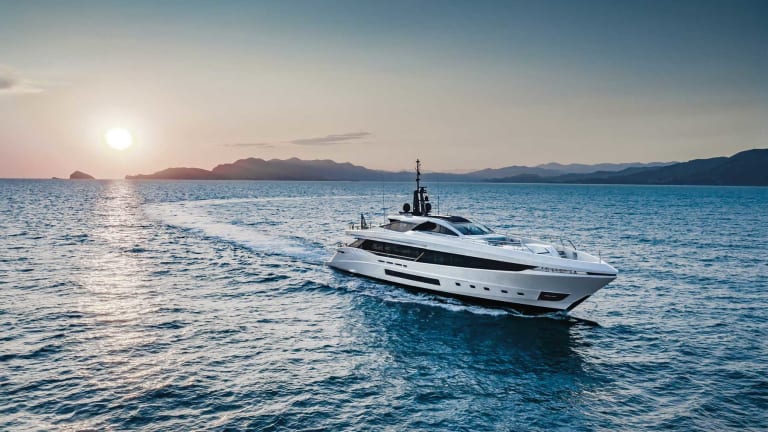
x,y
421,205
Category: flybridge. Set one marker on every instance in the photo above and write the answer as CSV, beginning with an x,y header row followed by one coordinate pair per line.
x,y
421,205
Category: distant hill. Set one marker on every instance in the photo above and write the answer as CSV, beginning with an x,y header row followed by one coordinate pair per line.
x,y
177,174
514,170
297,169
747,168
586,169
554,169
750,167
276,169
79,175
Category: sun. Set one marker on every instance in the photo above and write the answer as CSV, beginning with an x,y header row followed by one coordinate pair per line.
x,y
118,138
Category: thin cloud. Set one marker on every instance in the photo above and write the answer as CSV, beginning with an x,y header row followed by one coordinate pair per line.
x,y
11,82
330,139
260,144
6,82
316,141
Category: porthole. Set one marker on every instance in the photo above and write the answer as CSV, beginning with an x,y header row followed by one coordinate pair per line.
x,y
504,291
486,288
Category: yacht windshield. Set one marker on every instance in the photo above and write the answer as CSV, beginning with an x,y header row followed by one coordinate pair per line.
x,y
471,228
399,226
435,228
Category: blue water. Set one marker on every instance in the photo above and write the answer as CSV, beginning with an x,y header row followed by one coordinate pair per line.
x,y
206,305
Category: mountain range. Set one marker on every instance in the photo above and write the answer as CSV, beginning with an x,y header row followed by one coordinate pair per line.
x,y
746,168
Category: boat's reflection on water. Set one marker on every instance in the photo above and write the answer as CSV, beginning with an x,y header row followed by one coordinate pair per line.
x,y
416,327
488,363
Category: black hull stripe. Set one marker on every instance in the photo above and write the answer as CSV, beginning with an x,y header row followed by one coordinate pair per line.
x,y
427,256
412,277
524,309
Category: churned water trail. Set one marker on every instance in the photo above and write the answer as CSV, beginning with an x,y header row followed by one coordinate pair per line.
x,y
207,305
216,218
207,218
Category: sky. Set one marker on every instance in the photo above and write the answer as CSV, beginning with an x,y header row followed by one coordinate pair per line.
x,y
461,85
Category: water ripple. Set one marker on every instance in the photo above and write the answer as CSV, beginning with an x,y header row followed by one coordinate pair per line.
x,y
206,305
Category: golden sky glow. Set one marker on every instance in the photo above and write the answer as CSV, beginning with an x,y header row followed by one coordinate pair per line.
x,y
377,83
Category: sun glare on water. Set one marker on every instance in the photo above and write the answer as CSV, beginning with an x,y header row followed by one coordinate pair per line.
x,y
118,138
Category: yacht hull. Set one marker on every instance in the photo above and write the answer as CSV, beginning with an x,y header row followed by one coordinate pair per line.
x,y
529,291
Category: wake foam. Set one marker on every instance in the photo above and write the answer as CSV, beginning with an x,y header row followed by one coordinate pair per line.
x,y
203,217
200,217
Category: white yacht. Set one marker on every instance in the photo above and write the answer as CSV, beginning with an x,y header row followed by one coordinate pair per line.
x,y
451,255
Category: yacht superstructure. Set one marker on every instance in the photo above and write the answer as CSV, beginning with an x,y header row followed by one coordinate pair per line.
x,y
454,256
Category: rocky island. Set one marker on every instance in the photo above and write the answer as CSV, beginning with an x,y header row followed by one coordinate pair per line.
x,y
79,175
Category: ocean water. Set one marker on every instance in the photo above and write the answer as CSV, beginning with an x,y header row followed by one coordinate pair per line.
x,y
207,306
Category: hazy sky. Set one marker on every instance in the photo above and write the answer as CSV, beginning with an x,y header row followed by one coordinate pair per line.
x,y
459,84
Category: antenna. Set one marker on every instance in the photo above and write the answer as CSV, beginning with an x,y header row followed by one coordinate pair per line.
x,y
418,201
383,205
418,173
421,205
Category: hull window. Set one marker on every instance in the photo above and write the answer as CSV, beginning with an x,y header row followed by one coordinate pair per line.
x,y
550,296
412,277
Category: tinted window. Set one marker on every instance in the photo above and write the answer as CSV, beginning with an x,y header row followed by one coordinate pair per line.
x,y
444,230
452,218
433,227
440,258
426,226
449,259
391,249
470,228
399,226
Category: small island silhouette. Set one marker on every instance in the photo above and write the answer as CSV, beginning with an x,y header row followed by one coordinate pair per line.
x,y
79,175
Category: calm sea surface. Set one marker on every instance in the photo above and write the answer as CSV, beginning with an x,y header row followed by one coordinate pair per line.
x,y
206,305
